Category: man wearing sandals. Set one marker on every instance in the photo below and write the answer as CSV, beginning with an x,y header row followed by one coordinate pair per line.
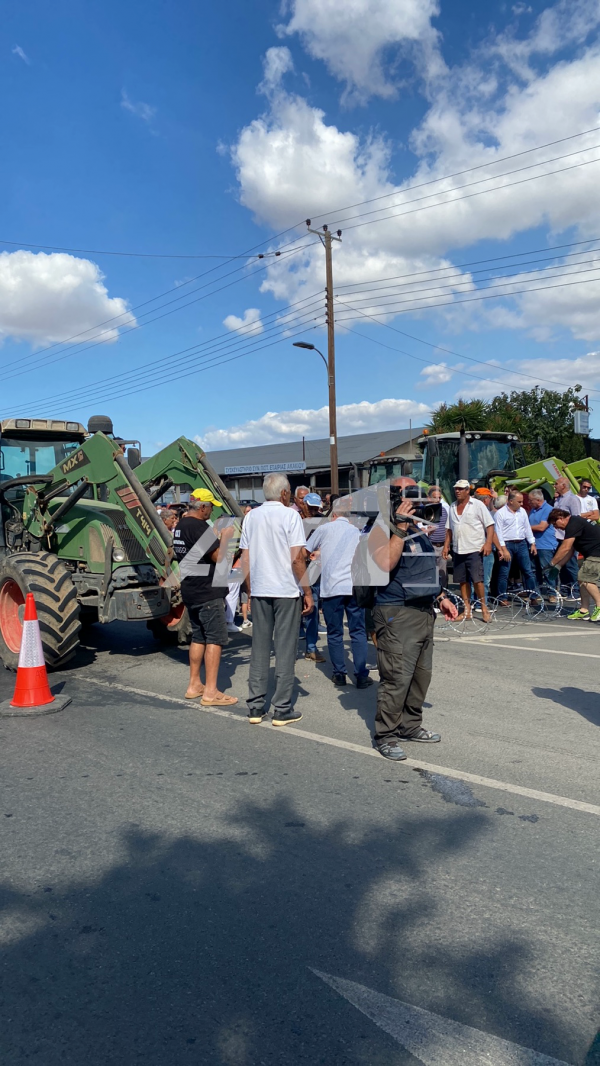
x,y
580,537
469,534
198,550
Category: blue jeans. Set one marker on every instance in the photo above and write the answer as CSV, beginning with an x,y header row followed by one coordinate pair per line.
x,y
488,566
310,623
333,612
519,550
542,562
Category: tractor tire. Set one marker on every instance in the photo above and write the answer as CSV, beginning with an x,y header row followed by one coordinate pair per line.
x,y
56,602
173,629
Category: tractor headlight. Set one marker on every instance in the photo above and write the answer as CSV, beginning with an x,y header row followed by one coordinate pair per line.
x,y
118,555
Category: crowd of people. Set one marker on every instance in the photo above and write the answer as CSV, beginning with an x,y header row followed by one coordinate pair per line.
x,y
299,556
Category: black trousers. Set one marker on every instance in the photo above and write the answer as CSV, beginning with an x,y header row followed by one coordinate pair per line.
x,y
404,659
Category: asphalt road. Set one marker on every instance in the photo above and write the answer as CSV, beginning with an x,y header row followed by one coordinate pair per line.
x,y
178,887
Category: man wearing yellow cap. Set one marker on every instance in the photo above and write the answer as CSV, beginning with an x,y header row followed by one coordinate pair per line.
x,y
198,550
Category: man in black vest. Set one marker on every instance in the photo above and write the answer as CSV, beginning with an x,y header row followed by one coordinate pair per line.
x,y
404,619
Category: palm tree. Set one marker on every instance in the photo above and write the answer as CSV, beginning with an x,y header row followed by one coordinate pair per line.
x,y
464,414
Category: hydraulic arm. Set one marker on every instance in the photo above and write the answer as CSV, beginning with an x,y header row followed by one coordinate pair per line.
x,y
184,463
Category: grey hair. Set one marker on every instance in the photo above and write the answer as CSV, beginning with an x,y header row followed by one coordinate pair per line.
x,y
195,505
499,502
274,484
539,495
298,487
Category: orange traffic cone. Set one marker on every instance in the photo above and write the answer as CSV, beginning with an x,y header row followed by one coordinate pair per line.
x,y
32,688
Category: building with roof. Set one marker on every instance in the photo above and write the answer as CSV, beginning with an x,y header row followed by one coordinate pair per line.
x,y
361,456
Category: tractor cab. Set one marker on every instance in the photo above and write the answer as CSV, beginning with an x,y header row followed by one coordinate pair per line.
x,y
474,456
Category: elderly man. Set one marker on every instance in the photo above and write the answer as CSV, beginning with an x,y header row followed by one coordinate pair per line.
x,y
336,542
274,560
298,503
589,504
545,537
469,533
514,539
580,537
198,550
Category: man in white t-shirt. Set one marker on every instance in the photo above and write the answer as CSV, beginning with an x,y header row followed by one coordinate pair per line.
x,y
274,556
589,504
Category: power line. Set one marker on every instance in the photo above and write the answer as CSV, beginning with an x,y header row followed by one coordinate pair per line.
x,y
134,389
287,321
459,173
476,262
135,255
429,362
468,196
94,343
455,288
377,319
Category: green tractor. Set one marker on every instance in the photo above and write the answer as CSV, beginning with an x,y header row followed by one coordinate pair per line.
x,y
80,531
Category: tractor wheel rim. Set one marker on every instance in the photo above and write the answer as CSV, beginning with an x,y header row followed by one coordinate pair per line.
x,y
12,603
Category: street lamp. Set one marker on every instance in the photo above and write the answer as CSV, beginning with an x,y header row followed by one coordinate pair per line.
x,y
333,451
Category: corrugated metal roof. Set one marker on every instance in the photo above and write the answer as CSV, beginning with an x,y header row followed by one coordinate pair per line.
x,y
357,448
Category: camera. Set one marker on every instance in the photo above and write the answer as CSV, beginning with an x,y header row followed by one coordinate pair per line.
x,y
425,510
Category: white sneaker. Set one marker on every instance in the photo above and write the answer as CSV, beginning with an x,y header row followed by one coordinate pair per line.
x,y
231,628
246,625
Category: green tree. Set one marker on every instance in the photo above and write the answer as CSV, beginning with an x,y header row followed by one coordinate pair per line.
x,y
535,414
541,414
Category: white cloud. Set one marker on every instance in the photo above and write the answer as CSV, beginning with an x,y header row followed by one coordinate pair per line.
x,y
250,323
436,375
45,298
18,51
549,373
138,108
277,62
274,426
356,37
291,163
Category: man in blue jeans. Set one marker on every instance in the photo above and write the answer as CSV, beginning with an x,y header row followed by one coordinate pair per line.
x,y
336,542
545,539
515,540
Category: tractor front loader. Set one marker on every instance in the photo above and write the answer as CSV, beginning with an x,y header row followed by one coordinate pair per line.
x,y
77,529
182,464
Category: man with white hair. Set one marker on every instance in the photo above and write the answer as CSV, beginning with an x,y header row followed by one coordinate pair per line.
x,y
274,558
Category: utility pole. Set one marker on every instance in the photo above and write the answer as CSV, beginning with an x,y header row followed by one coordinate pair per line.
x,y
327,238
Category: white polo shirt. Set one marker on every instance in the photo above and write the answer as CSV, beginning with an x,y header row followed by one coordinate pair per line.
x,y
469,529
588,503
268,532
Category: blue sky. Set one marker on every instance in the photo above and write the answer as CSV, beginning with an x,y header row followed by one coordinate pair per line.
x,y
187,131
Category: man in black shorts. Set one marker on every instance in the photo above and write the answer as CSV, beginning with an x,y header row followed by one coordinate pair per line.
x,y
469,534
581,537
198,549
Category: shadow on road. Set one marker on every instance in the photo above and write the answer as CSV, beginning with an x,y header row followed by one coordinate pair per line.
x,y
574,699
198,950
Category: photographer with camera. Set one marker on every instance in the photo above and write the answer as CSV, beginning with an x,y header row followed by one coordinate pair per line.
x,y
404,618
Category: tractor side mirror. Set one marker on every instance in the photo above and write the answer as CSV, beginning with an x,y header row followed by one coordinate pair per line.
x,y
541,448
432,447
407,469
133,457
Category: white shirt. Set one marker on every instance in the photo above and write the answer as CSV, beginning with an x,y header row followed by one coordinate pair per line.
x,y
268,532
337,541
470,528
588,503
513,525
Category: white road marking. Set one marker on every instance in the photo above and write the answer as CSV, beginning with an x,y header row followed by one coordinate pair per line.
x,y
432,1039
335,742
528,648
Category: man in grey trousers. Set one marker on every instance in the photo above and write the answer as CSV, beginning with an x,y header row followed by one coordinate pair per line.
x,y
274,556
404,620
